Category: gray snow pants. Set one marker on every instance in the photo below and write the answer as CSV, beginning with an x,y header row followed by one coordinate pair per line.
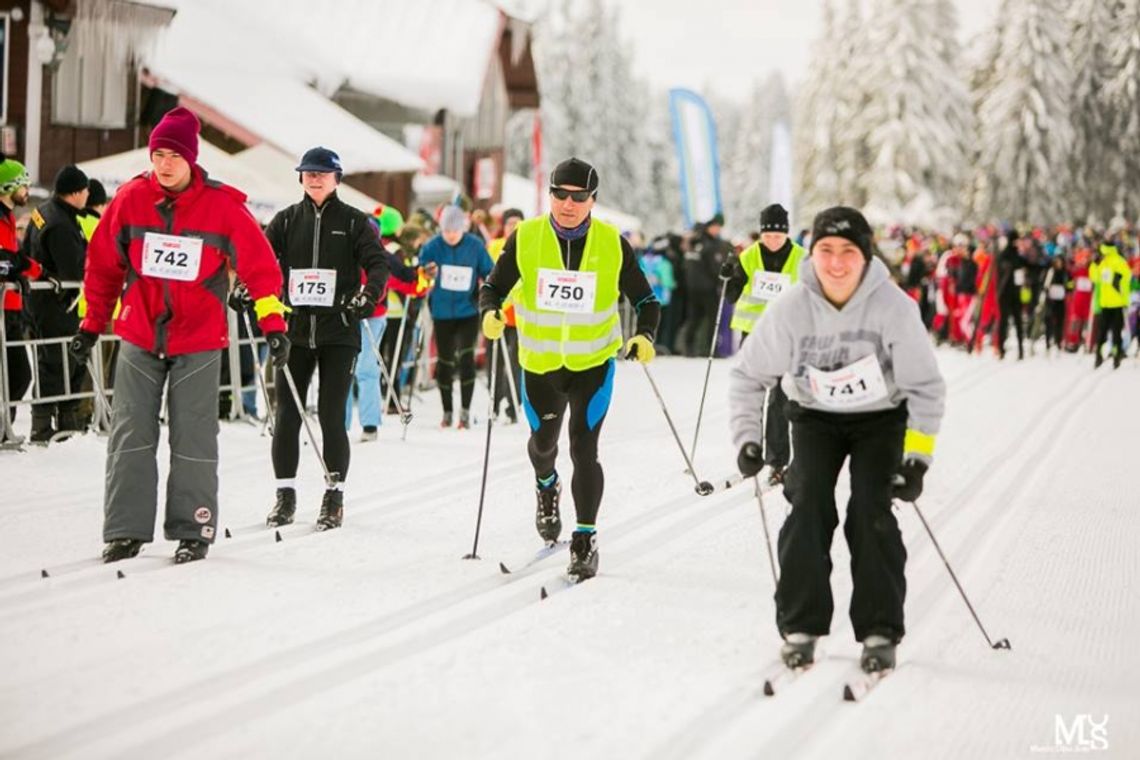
x,y
131,498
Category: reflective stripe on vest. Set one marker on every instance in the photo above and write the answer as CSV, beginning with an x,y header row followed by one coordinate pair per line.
x,y
749,308
548,339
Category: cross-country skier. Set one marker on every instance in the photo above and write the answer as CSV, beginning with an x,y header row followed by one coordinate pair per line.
x,y
863,384
571,270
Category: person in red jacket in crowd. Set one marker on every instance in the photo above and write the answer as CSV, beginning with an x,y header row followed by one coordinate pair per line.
x,y
986,301
15,268
1078,316
166,245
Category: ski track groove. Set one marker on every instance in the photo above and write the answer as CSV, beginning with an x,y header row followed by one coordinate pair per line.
x,y
491,608
796,731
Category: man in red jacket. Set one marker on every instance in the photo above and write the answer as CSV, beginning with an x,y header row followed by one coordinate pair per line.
x,y
16,268
165,246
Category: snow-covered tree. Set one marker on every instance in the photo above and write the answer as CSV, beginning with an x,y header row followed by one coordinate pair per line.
x,y
747,158
1123,92
817,116
1094,181
917,115
1025,127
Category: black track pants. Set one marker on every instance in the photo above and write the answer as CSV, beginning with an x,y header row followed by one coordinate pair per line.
x,y
455,344
336,365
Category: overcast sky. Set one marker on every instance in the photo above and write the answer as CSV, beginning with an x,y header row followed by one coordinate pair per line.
x,y
728,43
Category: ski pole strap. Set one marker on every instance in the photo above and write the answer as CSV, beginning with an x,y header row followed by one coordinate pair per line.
x,y
918,443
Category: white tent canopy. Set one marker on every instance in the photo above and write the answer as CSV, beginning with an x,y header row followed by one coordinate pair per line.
x,y
267,191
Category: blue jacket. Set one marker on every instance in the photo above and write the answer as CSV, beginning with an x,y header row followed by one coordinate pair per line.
x,y
461,269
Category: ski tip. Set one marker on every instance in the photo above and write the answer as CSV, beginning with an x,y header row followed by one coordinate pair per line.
x,y
542,593
768,690
228,534
44,573
848,695
119,574
504,569
277,536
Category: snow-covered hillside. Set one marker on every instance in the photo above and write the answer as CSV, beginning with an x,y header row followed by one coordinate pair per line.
x,y
377,640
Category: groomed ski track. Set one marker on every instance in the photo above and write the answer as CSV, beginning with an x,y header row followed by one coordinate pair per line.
x,y
378,640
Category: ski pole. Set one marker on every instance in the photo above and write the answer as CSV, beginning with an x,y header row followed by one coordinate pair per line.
x,y
486,452
704,488
418,331
269,412
1000,643
708,367
396,358
331,478
508,368
405,415
767,536
100,397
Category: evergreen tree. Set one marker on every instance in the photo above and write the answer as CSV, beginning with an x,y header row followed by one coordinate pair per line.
x,y
817,114
1094,181
1123,90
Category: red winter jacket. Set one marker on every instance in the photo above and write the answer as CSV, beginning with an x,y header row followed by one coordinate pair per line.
x,y
169,316
10,244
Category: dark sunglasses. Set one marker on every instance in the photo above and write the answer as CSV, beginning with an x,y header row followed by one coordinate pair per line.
x,y
578,196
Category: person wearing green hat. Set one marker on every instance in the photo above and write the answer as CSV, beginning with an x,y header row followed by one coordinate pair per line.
x,y
15,267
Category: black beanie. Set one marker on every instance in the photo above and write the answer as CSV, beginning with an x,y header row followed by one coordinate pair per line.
x,y
716,221
97,194
513,213
70,180
844,222
575,172
774,218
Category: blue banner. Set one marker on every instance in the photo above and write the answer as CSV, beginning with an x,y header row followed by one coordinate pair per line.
x,y
694,133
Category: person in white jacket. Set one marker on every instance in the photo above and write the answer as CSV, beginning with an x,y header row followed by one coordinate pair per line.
x,y
863,385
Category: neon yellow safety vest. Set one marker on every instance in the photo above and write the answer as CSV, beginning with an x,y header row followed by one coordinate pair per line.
x,y
1104,273
550,339
395,305
749,307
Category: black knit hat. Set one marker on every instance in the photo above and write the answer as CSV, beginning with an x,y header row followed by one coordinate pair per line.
x,y
716,221
844,222
575,172
513,213
97,194
774,218
70,179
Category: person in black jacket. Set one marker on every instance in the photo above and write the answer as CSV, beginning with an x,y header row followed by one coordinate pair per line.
x,y
322,245
55,239
1011,274
706,254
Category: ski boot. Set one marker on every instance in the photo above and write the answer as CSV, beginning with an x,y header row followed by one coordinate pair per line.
x,y
446,422
369,434
464,420
776,475
583,555
121,548
512,416
798,650
190,550
283,510
1096,364
878,654
332,510
547,519
1116,359
43,429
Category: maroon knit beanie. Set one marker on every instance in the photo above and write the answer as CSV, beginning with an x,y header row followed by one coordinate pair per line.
x,y
178,131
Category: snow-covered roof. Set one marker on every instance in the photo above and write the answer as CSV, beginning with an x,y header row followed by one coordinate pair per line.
x,y
521,193
267,192
247,80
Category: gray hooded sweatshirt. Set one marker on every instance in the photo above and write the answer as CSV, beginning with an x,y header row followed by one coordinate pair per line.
x,y
871,355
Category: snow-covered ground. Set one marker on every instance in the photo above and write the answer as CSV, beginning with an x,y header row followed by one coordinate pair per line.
x,y
377,640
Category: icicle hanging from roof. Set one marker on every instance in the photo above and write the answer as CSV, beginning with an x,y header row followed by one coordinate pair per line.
x,y
126,28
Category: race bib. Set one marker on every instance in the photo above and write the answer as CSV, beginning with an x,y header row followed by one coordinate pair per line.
x,y
312,287
767,285
1019,277
1106,276
568,292
1084,284
453,277
1057,292
855,385
171,257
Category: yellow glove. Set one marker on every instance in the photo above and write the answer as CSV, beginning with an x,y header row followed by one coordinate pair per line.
x,y
641,348
493,325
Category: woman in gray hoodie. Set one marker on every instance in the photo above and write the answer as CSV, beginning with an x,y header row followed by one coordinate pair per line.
x,y
850,350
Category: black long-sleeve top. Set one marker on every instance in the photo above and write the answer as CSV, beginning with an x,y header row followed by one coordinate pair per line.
x,y
631,281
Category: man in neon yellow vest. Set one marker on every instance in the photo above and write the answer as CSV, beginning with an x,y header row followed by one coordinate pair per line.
x,y
1112,280
765,270
571,271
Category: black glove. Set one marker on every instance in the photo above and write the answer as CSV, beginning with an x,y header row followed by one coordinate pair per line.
x,y
360,306
727,269
81,345
750,460
908,480
240,299
278,348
